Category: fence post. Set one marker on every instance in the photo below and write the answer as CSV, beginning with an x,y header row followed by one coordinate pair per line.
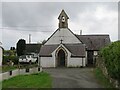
x,y
40,68
10,72
27,69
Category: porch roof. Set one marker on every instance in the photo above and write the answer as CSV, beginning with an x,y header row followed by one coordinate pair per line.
x,y
46,50
77,50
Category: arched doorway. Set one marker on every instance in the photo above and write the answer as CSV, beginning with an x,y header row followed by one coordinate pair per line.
x,y
61,58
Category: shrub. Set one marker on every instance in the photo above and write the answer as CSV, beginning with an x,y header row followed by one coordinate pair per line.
x,y
5,59
15,59
8,58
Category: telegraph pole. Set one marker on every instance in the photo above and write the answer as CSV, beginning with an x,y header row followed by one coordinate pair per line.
x,y
80,32
29,38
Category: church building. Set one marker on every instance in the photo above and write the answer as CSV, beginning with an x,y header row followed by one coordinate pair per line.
x,y
66,49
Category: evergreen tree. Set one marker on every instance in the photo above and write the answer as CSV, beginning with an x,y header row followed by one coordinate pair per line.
x,y
21,47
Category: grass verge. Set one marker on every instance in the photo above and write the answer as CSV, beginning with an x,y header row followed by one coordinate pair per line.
x,y
102,79
38,80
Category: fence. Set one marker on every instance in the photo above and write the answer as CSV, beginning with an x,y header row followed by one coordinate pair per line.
x,y
12,73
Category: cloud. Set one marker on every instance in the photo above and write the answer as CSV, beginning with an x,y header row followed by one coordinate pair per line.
x,y
40,19
101,20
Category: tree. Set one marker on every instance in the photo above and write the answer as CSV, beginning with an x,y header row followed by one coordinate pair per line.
x,y
12,48
21,45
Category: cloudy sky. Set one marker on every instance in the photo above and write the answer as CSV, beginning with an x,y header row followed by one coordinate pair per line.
x,y
19,19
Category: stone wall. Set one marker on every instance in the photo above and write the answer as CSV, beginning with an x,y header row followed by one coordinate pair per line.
x,y
12,73
100,64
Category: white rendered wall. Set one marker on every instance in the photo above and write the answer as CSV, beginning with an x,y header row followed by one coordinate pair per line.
x,y
0,56
76,62
54,59
47,61
86,58
95,53
63,34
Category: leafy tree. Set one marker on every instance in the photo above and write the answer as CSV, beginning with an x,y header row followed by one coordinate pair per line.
x,y
12,48
21,47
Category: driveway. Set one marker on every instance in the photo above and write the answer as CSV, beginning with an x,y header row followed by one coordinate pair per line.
x,y
73,78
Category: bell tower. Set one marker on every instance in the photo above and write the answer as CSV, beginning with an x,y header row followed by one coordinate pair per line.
x,y
63,20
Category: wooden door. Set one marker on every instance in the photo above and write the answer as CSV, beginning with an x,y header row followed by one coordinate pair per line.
x,y
90,57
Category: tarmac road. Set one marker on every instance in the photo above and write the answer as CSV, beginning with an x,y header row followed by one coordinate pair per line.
x,y
73,78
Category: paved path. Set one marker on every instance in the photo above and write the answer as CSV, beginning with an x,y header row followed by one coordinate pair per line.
x,y
73,78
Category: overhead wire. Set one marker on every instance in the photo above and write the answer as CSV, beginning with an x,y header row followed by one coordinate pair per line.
x,y
36,28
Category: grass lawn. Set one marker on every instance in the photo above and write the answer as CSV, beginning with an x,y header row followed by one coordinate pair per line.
x,y
38,80
102,79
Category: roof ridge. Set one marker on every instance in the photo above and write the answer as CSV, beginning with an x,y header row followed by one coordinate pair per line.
x,y
51,45
94,35
73,44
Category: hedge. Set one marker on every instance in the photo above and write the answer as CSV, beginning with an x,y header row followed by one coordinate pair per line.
x,y
111,57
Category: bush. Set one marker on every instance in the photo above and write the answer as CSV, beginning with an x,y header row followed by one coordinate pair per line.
x,y
8,58
5,60
111,57
15,59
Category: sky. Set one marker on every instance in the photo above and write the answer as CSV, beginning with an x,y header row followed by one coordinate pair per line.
x,y
40,19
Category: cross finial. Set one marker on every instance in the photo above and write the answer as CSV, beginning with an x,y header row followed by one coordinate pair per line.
x,y
61,40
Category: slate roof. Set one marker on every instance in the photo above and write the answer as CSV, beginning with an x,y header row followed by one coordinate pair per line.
x,y
94,42
30,48
77,50
89,42
46,50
